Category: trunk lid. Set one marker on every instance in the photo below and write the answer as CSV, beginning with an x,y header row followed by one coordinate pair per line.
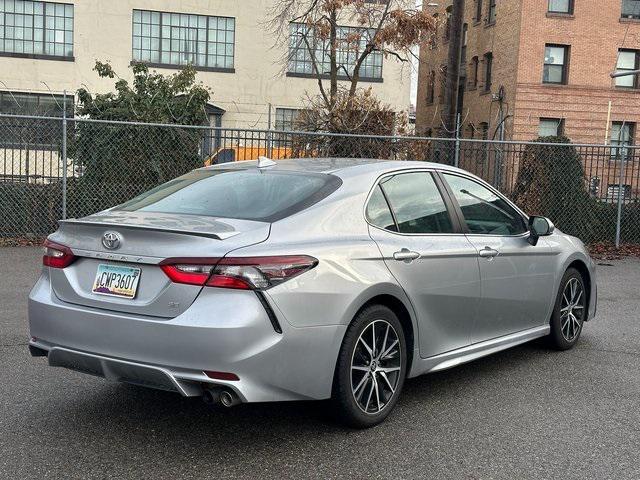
x,y
145,239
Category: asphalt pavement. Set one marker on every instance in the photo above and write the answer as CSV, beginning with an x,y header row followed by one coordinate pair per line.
x,y
525,413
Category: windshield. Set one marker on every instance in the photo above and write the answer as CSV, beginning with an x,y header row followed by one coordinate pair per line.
x,y
243,194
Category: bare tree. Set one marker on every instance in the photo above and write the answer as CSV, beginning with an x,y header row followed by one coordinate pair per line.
x,y
337,36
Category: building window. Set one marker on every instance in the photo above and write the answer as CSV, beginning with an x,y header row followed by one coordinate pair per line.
x,y
631,8
556,60
286,119
447,27
484,130
491,14
182,39
488,70
36,28
551,127
628,60
613,190
443,82
621,138
351,42
473,80
561,6
478,15
431,87
20,132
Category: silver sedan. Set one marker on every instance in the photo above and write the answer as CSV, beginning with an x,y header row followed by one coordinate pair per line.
x,y
306,280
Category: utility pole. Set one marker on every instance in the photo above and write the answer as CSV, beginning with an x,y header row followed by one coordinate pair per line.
x,y
453,68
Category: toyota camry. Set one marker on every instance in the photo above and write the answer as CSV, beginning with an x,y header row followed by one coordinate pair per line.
x,y
306,280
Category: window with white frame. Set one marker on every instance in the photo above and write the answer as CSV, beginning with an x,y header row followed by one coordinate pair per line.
x,y
36,28
305,49
550,127
561,6
183,39
621,138
628,60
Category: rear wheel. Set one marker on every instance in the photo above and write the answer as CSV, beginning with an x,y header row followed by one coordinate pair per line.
x,y
569,311
371,368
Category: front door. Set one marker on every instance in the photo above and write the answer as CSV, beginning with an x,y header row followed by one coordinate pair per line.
x,y
429,256
517,277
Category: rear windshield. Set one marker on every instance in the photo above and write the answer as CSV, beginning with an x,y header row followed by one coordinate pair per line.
x,y
259,195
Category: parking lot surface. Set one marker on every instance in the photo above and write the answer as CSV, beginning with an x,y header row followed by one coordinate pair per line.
x,y
525,413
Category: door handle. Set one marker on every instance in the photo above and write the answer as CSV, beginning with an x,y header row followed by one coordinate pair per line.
x,y
488,252
406,255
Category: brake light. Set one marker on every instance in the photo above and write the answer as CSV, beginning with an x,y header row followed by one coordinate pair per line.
x,y
57,255
244,273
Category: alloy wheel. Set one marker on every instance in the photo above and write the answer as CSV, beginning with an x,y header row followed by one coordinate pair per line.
x,y
572,308
376,365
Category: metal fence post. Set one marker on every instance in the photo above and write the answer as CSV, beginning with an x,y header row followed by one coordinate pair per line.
x,y
623,155
456,158
64,155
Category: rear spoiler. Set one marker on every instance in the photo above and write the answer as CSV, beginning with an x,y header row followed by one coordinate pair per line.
x,y
195,231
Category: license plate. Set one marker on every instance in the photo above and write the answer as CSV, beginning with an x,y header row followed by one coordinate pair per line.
x,y
116,281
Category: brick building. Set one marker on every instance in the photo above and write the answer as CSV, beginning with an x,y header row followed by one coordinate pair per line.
x,y
551,59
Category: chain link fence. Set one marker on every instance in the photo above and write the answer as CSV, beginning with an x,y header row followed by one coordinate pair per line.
x,y
53,168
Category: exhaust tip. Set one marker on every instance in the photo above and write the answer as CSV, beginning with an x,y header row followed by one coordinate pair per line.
x,y
227,399
210,397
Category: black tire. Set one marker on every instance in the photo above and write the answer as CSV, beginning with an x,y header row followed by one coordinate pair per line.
x,y
354,354
565,331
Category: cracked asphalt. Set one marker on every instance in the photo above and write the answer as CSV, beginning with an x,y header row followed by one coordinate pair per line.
x,y
525,413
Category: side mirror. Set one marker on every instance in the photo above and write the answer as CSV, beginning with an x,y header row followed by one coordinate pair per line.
x,y
539,227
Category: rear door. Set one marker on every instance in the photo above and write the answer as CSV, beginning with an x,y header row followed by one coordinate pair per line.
x,y
517,277
426,252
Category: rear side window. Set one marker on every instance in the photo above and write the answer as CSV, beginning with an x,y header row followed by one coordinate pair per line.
x,y
484,212
265,196
416,203
378,212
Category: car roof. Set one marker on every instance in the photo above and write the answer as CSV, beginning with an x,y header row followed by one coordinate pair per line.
x,y
339,166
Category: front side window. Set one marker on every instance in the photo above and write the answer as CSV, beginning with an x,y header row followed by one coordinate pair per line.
x,y
36,28
484,212
561,6
416,203
631,8
555,64
351,42
628,60
550,127
621,138
182,39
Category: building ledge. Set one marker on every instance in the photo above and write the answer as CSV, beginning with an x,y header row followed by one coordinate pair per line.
x,y
566,16
629,20
490,24
340,77
484,92
180,67
37,56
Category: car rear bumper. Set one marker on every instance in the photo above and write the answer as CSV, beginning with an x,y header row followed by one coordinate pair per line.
x,y
222,331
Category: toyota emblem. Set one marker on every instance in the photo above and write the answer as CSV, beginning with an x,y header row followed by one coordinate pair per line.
x,y
111,240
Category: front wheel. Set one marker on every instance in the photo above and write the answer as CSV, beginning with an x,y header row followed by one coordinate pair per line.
x,y
371,368
569,312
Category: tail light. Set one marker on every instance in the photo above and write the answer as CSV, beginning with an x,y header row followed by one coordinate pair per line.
x,y
57,255
244,273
